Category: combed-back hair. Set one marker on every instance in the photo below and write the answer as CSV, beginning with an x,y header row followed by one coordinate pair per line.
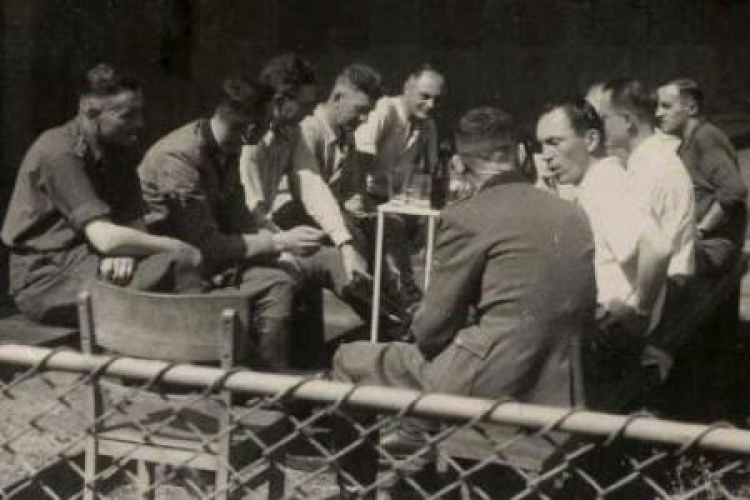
x,y
582,115
422,69
688,89
632,95
242,97
103,80
363,78
486,123
287,73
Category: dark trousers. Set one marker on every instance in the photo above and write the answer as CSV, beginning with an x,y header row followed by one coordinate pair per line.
x,y
49,285
364,231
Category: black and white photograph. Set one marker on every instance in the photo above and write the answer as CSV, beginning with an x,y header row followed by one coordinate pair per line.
x,y
374,249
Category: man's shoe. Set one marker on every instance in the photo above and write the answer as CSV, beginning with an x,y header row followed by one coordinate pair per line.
x,y
359,294
402,443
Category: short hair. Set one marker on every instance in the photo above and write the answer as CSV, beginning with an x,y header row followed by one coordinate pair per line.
x,y
287,73
242,98
581,114
632,95
486,123
363,78
422,69
103,80
688,89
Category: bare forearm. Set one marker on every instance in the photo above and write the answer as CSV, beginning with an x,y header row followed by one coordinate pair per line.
x,y
653,261
116,240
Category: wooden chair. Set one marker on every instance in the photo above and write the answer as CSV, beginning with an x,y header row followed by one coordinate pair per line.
x,y
206,436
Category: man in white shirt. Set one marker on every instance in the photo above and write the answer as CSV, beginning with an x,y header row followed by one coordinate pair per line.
x,y
631,253
661,181
398,137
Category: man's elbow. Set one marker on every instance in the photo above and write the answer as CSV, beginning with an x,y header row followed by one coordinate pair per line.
x,y
102,237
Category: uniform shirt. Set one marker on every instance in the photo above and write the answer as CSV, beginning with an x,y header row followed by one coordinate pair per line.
x,y
618,219
712,164
262,167
397,143
63,185
661,180
193,193
522,261
324,175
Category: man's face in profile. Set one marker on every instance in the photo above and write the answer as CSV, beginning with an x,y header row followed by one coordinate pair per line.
x,y
672,112
120,119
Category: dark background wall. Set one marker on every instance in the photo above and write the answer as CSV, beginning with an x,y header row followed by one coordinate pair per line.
x,y
515,52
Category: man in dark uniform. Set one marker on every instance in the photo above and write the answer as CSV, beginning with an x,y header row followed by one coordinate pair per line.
x,y
76,210
516,289
191,182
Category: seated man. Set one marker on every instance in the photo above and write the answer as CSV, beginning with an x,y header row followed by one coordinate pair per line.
x,y
517,261
190,179
76,210
631,252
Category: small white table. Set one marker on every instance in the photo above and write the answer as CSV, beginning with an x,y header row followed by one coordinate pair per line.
x,y
402,209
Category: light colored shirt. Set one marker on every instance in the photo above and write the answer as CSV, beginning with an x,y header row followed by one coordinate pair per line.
x,y
618,221
397,143
262,168
323,175
663,184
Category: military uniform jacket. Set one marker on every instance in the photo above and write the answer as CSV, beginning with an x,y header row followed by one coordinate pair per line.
x,y
514,285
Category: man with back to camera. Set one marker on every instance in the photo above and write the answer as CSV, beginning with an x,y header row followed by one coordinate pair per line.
x,y
661,181
526,274
398,137
76,211
631,252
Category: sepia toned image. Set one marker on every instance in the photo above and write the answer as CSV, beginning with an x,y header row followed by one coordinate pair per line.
x,y
380,249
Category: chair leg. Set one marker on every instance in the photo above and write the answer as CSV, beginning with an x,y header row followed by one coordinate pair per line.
x,y
146,478
89,475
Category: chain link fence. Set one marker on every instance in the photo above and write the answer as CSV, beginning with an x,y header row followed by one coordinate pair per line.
x,y
77,426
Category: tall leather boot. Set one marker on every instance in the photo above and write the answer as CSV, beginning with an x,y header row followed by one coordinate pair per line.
x,y
273,343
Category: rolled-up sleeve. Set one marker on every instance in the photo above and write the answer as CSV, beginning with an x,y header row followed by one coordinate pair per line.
x,y
191,218
313,191
69,188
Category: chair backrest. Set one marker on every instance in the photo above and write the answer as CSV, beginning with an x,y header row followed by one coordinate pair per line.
x,y
170,327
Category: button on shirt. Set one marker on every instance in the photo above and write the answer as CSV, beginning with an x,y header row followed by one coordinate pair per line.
x,y
63,185
324,175
618,220
397,143
661,181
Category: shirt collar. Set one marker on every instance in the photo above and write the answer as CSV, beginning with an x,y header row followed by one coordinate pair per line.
x,y
504,178
331,136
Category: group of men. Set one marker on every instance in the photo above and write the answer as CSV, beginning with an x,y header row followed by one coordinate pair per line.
x,y
526,282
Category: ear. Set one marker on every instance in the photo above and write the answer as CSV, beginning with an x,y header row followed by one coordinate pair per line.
x,y
90,108
692,108
593,139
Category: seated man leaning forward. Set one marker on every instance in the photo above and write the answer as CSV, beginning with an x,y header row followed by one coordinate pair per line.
x,y
190,180
76,210
522,260
631,252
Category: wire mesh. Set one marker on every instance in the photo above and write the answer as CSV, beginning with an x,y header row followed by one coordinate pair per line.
x,y
77,426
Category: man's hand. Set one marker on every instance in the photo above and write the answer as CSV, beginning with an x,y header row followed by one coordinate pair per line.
x,y
627,317
117,270
658,361
302,240
353,261
360,205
